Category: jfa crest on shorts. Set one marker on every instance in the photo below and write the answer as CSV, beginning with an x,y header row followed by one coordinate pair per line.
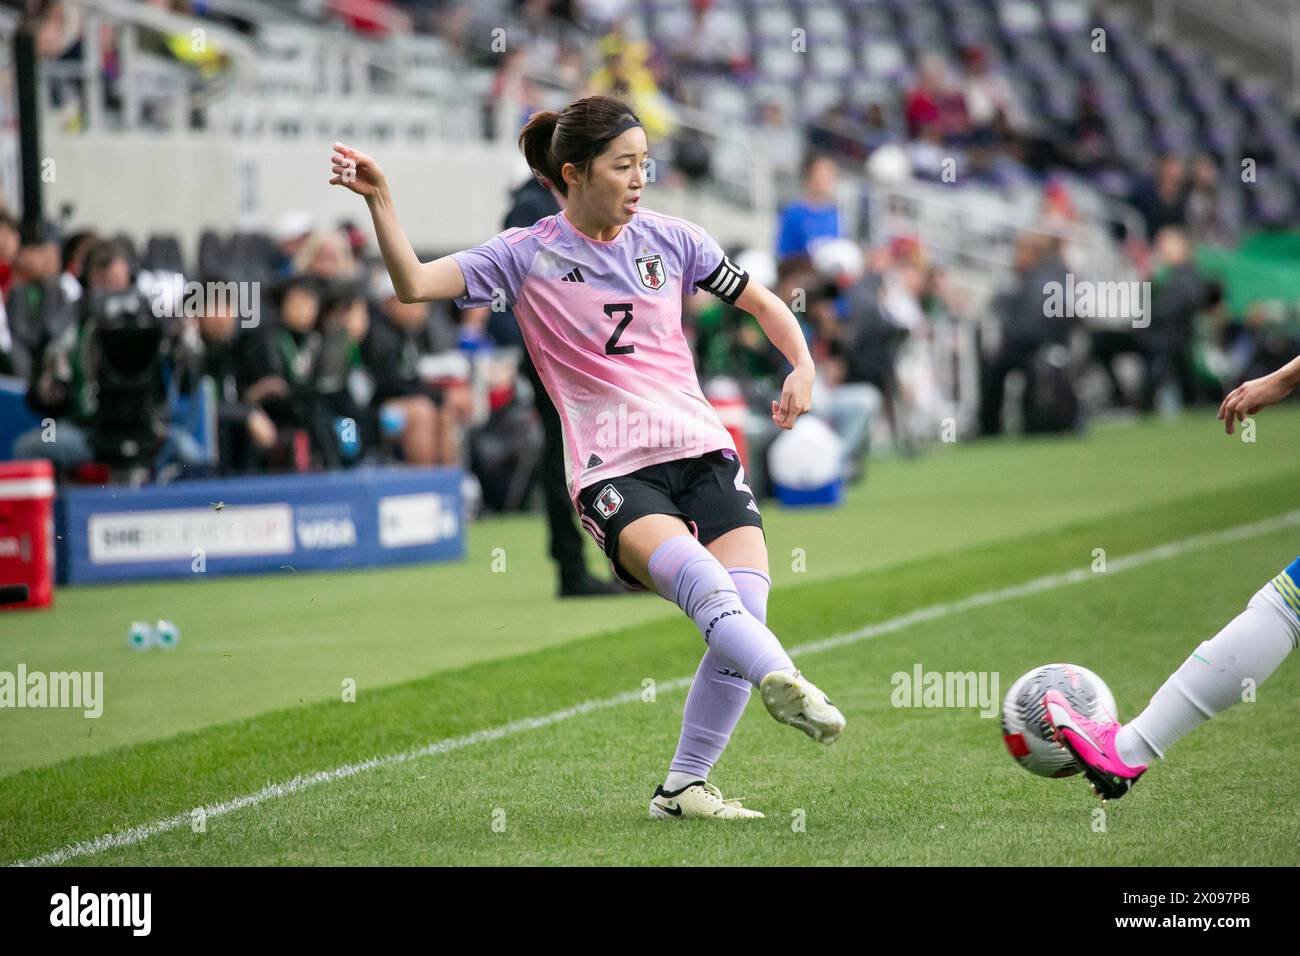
x,y
608,502
708,493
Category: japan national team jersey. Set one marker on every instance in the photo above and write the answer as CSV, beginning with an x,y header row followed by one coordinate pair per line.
x,y
602,321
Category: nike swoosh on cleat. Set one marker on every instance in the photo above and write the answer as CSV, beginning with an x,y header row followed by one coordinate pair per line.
x,y
1070,725
671,811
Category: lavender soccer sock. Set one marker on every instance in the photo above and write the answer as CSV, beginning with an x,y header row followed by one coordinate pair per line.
x,y
686,573
718,695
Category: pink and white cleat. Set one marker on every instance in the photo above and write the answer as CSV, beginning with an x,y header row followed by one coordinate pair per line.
x,y
1093,745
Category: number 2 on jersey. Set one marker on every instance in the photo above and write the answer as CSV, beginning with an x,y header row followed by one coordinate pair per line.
x,y
612,347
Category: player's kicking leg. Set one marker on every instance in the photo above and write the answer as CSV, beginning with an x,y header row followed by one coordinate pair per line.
x,y
686,573
1241,655
742,652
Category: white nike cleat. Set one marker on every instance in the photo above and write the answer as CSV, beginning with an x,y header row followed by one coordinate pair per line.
x,y
698,800
793,699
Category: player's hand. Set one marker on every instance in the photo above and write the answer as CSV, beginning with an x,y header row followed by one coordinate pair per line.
x,y
1250,397
796,397
356,171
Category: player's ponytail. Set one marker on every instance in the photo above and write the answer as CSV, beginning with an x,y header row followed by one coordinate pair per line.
x,y
535,142
577,135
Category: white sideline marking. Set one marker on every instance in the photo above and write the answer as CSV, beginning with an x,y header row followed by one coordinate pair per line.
x,y
1164,552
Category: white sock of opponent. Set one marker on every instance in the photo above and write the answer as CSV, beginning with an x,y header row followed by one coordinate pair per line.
x,y
717,697
1252,646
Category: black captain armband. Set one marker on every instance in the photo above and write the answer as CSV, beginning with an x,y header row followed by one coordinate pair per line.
x,y
727,281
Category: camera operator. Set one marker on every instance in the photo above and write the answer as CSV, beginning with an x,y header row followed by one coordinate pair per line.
x,y
102,383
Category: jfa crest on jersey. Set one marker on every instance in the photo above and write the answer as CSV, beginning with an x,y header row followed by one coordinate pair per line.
x,y
651,270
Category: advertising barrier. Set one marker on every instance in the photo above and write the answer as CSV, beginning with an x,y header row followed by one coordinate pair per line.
x,y
340,519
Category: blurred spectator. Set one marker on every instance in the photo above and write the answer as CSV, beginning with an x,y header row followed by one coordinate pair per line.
x,y
1162,199
1178,294
14,359
904,292
934,101
245,433
869,353
325,255
709,43
779,140
815,216
75,250
927,154
991,101
405,339
1210,220
1025,326
877,129
1086,145
10,240
276,369
344,428
37,310
292,230
625,74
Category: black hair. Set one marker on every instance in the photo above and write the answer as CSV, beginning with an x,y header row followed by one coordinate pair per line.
x,y
577,135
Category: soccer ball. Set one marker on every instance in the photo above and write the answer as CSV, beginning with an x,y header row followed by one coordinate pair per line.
x,y
1025,728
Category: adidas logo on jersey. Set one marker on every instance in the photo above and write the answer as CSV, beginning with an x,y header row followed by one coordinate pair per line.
x,y
574,276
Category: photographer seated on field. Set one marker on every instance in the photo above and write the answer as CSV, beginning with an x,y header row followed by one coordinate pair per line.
x,y
102,382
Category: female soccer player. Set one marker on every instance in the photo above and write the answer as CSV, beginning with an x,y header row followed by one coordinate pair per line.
x,y
597,289
1242,655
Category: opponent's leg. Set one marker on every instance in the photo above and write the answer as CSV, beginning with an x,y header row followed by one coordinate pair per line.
x,y
1250,647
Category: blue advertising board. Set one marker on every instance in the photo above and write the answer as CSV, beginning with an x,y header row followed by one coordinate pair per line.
x,y
344,519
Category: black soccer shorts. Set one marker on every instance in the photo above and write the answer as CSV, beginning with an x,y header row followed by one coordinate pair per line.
x,y
708,493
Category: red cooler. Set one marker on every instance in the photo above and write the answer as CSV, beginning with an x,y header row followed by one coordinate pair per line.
x,y
27,529
729,403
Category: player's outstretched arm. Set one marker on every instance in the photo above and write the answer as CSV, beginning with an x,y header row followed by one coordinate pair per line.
x,y
413,280
1250,397
782,330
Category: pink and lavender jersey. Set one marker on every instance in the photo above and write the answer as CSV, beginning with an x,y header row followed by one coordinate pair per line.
x,y
603,324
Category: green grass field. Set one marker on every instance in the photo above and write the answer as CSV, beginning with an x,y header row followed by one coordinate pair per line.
x,y
458,658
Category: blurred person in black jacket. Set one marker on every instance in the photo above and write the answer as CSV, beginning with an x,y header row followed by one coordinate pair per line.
x,y
869,350
1026,325
245,433
276,365
38,309
1178,294
404,338
344,428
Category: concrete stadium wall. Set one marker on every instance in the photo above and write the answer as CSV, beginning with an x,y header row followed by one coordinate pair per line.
x,y
450,196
